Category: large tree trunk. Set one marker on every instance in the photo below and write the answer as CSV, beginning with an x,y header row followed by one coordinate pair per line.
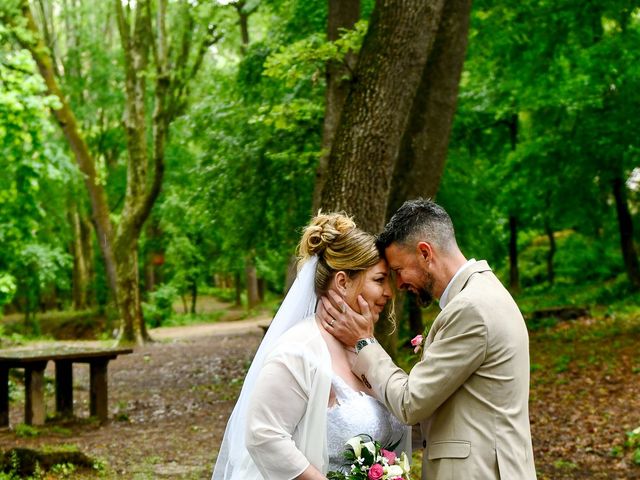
x,y
343,14
625,223
425,143
129,305
423,151
374,118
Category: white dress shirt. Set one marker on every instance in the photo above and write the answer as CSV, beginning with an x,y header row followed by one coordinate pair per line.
x,y
443,298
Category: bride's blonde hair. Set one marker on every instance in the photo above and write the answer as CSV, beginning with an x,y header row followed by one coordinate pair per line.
x,y
339,245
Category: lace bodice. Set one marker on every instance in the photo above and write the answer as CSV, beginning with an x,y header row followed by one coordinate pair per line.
x,y
356,413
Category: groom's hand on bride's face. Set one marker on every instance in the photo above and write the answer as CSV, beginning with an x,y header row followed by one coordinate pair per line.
x,y
339,319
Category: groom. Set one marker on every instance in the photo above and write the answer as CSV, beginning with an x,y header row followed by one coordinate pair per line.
x,y
470,390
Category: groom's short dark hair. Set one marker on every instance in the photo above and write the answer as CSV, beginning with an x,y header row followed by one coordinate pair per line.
x,y
418,220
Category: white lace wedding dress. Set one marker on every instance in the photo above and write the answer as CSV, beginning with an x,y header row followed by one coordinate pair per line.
x,y
357,413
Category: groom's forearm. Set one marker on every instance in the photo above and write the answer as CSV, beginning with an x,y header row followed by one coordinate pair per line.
x,y
374,367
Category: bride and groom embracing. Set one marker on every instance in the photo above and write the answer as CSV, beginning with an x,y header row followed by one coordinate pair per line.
x,y
320,378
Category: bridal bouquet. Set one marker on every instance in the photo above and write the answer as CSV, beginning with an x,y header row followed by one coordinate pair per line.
x,y
367,460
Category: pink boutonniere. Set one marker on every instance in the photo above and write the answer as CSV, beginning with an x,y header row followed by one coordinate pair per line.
x,y
416,343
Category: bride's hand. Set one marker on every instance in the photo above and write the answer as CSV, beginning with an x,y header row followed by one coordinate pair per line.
x,y
344,323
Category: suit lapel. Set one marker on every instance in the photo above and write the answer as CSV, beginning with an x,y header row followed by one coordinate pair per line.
x,y
460,282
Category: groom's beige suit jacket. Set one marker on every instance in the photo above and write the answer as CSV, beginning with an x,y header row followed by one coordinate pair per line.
x,y
470,390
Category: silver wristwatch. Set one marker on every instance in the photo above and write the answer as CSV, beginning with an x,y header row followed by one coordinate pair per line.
x,y
363,342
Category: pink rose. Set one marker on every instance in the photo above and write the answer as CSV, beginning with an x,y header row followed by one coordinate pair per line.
x,y
417,343
390,456
376,472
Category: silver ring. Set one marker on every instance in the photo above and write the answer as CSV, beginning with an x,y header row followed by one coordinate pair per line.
x,y
343,308
332,322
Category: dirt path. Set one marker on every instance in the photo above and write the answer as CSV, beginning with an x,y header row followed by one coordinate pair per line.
x,y
209,329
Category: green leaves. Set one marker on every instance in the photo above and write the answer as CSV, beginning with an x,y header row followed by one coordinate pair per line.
x,y
307,58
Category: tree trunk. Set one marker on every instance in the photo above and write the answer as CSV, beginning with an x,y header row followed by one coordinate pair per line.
x,y
416,324
625,223
375,114
514,273
169,94
238,287
552,251
343,14
243,20
423,151
82,258
194,295
132,329
252,284
262,285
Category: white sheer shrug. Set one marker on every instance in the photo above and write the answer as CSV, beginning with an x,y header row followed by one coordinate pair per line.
x,y
286,427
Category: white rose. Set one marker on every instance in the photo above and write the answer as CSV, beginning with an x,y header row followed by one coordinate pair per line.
x,y
393,471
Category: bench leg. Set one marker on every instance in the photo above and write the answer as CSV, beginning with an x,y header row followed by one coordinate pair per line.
x,y
4,397
98,398
64,388
34,394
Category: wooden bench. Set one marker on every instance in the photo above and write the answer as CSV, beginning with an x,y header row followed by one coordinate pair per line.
x,y
34,362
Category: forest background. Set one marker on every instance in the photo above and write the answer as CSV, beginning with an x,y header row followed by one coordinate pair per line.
x,y
155,151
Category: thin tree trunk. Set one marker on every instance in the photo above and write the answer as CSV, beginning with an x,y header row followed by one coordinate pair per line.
x,y
375,114
238,286
262,285
81,262
551,253
514,273
252,284
194,295
625,223
243,20
343,14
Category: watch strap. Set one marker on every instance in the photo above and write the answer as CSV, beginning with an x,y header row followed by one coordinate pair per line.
x,y
363,342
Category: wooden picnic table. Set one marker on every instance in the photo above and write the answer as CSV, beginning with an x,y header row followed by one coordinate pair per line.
x,y
34,362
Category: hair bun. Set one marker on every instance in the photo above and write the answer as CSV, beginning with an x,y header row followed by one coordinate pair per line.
x,y
322,232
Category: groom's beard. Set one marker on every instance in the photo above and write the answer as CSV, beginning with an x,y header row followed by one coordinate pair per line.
x,y
424,294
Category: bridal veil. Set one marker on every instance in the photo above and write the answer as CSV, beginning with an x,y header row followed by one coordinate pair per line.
x,y
234,462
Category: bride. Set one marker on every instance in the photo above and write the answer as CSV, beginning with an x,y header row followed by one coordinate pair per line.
x,y
300,402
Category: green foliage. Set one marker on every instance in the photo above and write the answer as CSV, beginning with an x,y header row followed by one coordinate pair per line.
x,y
633,443
7,288
546,120
24,430
160,305
307,58
538,135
